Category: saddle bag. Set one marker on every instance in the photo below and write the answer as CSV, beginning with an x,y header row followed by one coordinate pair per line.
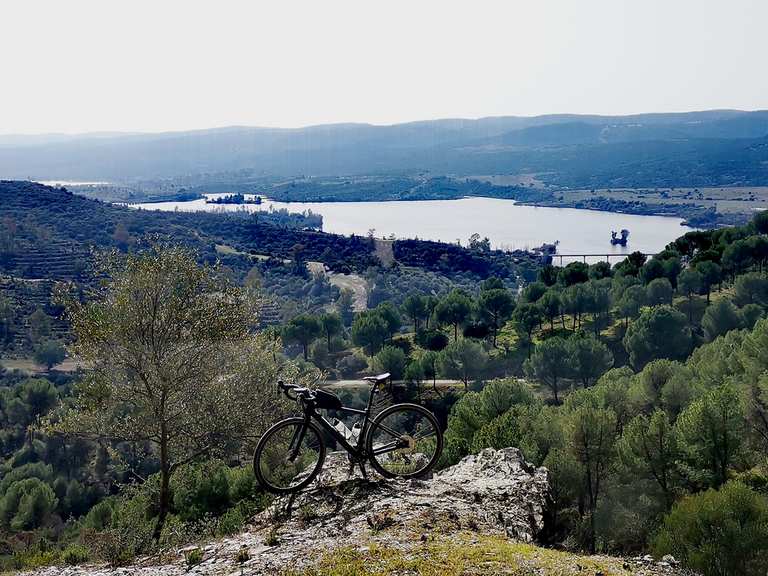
x,y
327,400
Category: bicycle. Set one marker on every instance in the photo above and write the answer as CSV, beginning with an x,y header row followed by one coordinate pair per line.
x,y
403,440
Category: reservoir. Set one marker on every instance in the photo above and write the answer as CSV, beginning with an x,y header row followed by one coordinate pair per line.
x,y
506,224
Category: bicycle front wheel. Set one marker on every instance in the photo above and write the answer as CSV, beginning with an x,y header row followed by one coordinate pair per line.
x,y
404,441
289,456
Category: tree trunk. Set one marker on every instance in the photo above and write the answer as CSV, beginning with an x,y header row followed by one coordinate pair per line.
x,y
690,308
165,492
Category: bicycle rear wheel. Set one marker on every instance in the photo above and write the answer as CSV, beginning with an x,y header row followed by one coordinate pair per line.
x,y
404,441
289,456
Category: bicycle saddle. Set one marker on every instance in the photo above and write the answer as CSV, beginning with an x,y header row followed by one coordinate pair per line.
x,y
377,379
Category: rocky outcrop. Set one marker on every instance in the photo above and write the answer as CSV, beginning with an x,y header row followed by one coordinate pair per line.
x,y
492,494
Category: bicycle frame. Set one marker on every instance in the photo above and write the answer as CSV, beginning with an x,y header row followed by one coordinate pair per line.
x,y
357,451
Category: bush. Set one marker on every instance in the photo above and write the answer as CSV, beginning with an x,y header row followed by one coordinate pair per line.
x,y
49,353
242,484
75,554
131,527
200,489
113,547
718,533
193,557
38,470
351,365
233,520
100,516
431,340
27,504
392,360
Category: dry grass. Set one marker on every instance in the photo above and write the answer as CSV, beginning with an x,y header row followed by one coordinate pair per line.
x,y
464,554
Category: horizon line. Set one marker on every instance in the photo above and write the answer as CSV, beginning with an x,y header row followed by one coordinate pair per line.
x,y
127,133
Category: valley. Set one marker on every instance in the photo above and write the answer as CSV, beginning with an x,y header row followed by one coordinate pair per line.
x,y
633,386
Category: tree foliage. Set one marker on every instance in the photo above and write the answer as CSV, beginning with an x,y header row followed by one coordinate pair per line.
x,y
171,361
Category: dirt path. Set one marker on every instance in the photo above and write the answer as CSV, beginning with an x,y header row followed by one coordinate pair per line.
x,y
359,384
29,366
353,282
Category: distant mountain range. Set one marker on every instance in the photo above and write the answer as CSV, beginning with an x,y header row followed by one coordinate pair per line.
x,y
717,147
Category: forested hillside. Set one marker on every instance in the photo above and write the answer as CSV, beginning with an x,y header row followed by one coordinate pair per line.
x,y
641,387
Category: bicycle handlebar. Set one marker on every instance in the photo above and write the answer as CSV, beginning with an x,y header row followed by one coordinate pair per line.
x,y
294,392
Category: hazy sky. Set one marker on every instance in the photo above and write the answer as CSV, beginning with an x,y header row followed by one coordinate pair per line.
x,y
76,66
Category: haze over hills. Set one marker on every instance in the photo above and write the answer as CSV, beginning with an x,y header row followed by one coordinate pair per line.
x,y
716,147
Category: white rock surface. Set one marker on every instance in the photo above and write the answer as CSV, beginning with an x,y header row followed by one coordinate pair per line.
x,y
494,492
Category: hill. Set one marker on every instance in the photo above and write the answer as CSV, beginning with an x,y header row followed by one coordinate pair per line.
x,y
45,232
721,147
477,517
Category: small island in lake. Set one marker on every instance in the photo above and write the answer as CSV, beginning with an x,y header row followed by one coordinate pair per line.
x,y
620,240
234,199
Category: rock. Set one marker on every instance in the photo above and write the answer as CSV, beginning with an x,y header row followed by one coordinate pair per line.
x,y
669,559
495,491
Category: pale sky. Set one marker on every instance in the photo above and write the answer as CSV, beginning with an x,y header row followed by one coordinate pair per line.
x,y
135,65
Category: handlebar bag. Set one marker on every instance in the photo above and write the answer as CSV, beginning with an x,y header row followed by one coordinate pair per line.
x,y
327,400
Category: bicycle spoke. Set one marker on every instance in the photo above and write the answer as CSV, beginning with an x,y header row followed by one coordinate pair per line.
x,y
427,434
386,448
389,431
415,443
289,454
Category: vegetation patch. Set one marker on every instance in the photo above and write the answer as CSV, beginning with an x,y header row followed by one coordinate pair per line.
x,y
463,554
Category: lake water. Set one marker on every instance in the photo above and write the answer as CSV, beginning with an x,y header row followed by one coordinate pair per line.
x,y
59,183
505,223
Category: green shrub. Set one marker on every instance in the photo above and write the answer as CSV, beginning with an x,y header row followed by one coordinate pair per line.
x,y
431,340
131,527
38,470
200,489
390,359
28,559
242,484
242,555
75,554
100,516
232,521
718,533
27,504
114,547
193,557
272,538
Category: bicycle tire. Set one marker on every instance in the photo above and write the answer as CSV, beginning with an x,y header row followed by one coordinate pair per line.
x,y
263,442
377,423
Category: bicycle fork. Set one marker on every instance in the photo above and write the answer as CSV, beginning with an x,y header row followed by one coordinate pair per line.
x,y
298,438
